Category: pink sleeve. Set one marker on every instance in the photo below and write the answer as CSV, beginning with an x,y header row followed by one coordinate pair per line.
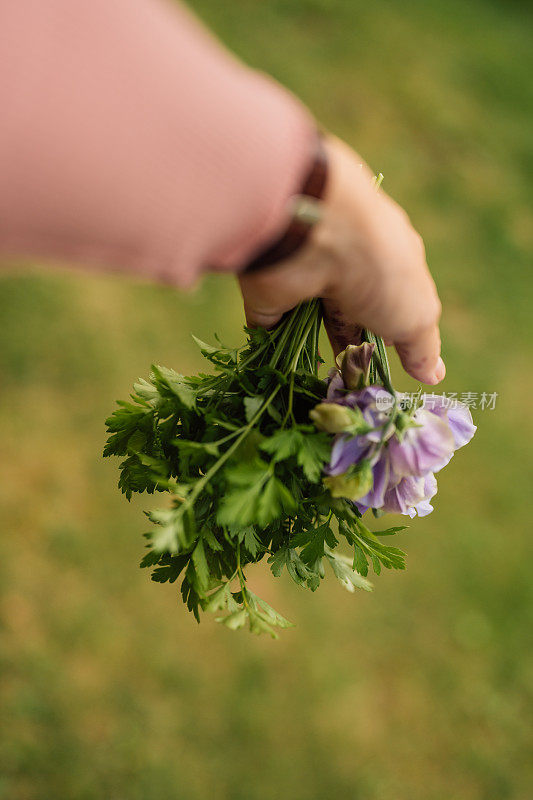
x,y
130,139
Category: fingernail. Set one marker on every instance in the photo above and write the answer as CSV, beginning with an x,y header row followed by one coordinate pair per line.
x,y
440,371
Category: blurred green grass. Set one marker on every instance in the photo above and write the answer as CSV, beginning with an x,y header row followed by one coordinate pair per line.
x,y
420,691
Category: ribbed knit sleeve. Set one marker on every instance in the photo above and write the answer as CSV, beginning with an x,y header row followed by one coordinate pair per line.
x,y
131,139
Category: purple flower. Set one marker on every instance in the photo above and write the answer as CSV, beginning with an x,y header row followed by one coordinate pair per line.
x,y
403,450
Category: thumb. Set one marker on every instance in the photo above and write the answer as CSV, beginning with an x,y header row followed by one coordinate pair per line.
x,y
420,355
260,307
257,318
270,292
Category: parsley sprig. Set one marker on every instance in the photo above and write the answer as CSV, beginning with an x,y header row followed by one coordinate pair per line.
x,y
235,452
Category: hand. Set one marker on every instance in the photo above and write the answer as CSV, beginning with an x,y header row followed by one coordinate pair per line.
x,y
367,263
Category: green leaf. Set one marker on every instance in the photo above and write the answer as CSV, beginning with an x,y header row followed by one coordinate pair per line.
x,y
219,356
342,568
238,507
297,569
147,391
205,349
273,616
251,541
172,530
314,453
170,568
137,441
259,624
210,539
252,406
150,559
176,384
273,501
391,531
311,450
315,540
217,600
344,572
235,620
273,412
381,554
257,499
122,424
359,561
190,596
186,446
283,444
278,560
200,565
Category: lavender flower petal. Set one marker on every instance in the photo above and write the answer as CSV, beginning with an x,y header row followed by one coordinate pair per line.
x,y
411,495
430,490
381,472
404,495
346,450
422,449
336,388
458,417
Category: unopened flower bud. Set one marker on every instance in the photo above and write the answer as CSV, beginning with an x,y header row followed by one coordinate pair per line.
x,y
354,364
352,485
334,418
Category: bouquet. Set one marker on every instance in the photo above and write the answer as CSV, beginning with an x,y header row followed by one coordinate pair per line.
x,y
261,459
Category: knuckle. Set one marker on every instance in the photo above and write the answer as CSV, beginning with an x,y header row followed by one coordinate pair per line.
x,y
421,324
428,319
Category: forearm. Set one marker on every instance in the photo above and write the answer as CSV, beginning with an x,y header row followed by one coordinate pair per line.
x,y
130,139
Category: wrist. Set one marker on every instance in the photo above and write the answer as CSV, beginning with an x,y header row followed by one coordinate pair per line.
x,y
305,212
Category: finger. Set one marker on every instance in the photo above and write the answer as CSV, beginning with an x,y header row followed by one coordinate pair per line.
x,y
260,319
271,292
341,332
260,310
420,355
260,306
